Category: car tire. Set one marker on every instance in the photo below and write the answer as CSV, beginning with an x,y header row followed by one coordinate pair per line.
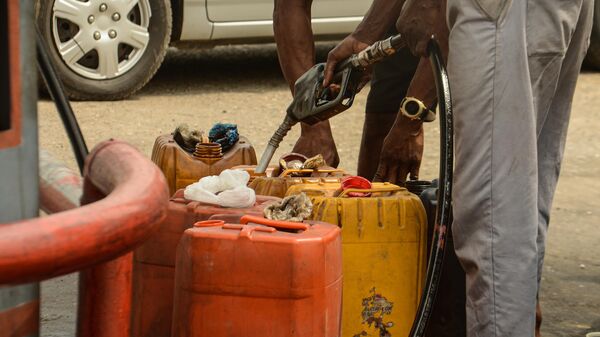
x,y
593,54
84,82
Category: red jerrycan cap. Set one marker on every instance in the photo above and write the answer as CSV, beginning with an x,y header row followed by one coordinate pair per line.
x,y
356,182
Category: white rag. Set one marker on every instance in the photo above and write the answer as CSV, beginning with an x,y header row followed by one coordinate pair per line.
x,y
227,190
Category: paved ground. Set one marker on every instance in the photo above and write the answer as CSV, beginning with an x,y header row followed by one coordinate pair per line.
x,y
243,85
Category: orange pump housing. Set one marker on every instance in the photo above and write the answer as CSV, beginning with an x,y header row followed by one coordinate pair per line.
x,y
252,280
154,261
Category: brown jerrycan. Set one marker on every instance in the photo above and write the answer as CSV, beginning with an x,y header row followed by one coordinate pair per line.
x,y
260,278
154,261
277,186
182,168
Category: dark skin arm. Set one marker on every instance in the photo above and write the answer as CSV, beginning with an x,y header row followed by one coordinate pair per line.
x,y
401,152
402,149
419,21
294,37
296,51
381,16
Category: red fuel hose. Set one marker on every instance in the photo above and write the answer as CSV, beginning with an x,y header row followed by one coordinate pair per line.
x,y
108,227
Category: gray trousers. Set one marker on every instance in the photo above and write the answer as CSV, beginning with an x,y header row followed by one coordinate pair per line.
x,y
513,66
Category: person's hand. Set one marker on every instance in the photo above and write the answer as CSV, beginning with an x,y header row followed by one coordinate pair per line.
x,y
350,45
318,139
401,152
419,21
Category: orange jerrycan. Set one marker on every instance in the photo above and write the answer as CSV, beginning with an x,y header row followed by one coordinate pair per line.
x,y
182,168
384,244
154,261
261,278
278,186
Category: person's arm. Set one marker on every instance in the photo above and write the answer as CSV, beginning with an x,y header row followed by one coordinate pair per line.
x,y
402,149
422,85
296,50
419,21
379,18
375,24
294,38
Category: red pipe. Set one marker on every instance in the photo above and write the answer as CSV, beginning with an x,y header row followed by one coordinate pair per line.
x,y
136,202
60,187
105,295
105,290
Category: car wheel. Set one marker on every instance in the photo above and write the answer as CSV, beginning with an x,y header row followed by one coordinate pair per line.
x,y
593,55
105,49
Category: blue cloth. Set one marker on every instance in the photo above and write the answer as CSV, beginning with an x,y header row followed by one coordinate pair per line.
x,y
225,134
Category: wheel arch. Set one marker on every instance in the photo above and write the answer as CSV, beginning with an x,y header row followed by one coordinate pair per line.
x,y
177,10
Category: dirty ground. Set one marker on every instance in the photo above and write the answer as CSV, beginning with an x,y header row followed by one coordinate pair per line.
x,y
243,85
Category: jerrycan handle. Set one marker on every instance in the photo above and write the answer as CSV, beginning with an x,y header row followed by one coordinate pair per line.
x,y
287,172
392,188
273,223
209,223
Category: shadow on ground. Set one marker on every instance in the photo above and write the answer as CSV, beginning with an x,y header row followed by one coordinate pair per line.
x,y
221,69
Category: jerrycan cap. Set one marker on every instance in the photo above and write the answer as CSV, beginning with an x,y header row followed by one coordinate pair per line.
x,y
356,182
208,151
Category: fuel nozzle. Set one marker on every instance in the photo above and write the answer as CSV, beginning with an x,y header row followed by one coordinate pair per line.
x,y
312,103
273,144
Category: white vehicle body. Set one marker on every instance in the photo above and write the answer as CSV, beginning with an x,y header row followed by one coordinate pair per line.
x,y
210,20
109,49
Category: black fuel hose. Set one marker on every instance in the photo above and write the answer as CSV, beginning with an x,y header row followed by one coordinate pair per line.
x,y
443,220
57,92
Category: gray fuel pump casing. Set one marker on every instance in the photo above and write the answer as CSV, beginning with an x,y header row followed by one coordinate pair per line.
x,y
19,159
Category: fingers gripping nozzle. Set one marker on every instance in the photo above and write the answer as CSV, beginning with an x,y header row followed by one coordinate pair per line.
x,y
376,52
313,104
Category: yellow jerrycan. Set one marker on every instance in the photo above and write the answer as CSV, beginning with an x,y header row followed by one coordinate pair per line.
x,y
384,246
330,187
277,186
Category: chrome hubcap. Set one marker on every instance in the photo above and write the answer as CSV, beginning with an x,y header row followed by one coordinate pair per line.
x,y
101,39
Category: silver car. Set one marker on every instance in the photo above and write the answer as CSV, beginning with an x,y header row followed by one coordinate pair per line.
x,y
109,49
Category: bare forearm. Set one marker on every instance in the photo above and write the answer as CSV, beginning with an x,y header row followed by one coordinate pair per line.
x,y
376,23
294,37
419,20
422,85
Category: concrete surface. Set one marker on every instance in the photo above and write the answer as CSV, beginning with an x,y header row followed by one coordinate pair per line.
x,y
243,85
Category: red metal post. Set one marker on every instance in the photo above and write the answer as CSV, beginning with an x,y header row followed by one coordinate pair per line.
x,y
105,299
125,197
